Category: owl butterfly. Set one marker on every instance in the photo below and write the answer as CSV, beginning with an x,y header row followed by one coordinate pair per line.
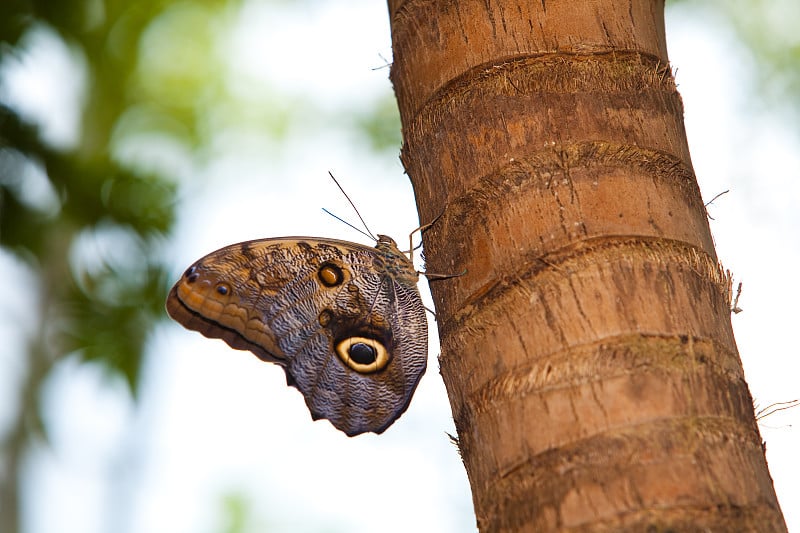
x,y
345,321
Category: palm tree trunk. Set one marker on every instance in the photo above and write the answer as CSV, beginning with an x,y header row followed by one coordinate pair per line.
x,y
587,352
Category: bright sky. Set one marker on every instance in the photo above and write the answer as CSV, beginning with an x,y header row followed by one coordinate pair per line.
x,y
214,422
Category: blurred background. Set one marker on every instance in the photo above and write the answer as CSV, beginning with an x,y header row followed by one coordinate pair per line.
x,y
136,137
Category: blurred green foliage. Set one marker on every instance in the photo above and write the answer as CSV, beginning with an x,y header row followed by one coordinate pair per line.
x,y
768,30
89,225
238,513
99,309
380,125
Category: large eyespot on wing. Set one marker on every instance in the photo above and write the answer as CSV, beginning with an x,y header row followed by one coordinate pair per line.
x,y
365,355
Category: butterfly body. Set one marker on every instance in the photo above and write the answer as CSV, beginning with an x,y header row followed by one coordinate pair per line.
x,y
344,320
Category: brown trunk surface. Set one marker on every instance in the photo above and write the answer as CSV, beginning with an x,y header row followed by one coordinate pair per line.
x,y
588,352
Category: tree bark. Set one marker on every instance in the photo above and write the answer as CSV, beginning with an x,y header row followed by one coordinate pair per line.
x,y
588,352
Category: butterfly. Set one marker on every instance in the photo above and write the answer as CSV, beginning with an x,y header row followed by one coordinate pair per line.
x,y
345,321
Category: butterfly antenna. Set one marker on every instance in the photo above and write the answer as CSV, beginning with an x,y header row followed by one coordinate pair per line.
x,y
369,233
361,231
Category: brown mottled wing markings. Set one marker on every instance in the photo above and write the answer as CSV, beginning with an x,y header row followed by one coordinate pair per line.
x,y
273,309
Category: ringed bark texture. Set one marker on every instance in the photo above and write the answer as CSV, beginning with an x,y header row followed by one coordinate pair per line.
x,y
587,351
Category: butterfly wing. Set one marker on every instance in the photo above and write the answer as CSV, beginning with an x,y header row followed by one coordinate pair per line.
x,y
345,321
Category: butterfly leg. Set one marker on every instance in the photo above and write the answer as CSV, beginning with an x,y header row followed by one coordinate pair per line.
x,y
420,229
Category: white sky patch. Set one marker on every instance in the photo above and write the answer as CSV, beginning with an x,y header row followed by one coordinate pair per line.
x,y
328,52
46,83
